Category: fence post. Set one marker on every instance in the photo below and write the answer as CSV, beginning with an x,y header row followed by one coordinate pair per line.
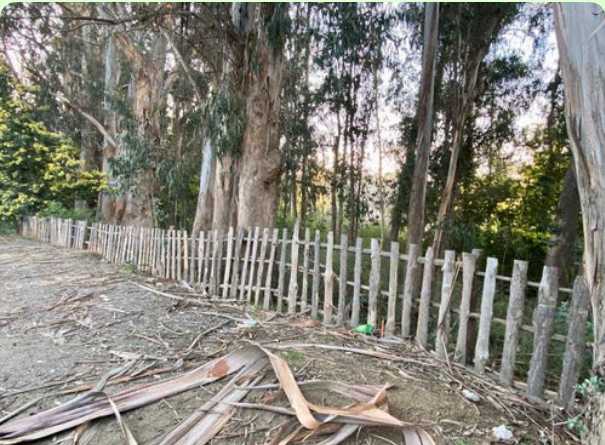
x,y
447,289
293,285
329,280
357,282
228,263
543,321
409,289
424,307
185,256
393,275
574,346
253,263
316,276
374,283
261,266
514,320
469,264
201,254
485,320
268,279
304,293
342,284
282,270
242,286
235,263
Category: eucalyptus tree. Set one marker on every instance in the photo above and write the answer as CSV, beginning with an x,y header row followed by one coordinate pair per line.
x,y
350,38
581,42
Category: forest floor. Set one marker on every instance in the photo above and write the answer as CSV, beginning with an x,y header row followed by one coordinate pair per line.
x,y
67,318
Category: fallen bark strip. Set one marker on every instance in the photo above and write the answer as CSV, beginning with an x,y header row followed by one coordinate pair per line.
x,y
247,366
92,405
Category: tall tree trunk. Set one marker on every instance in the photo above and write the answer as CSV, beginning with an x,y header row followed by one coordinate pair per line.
x,y
563,242
112,75
225,192
581,40
261,164
149,94
334,178
471,62
425,125
205,200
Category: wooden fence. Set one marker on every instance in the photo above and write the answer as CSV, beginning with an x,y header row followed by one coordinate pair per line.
x,y
350,285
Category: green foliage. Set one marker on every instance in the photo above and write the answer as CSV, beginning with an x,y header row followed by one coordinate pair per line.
x,y
226,121
36,165
58,210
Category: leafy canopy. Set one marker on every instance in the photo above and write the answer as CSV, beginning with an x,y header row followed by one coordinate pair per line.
x,y
37,166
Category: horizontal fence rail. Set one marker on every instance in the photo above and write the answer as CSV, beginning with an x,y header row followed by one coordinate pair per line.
x,y
446,304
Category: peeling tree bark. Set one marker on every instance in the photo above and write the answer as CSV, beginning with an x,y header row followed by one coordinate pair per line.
x,y
260,157
581,39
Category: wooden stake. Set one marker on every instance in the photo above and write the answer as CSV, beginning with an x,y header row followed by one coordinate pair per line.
x,y
342,285
409,289
261,266
374,283
267,297
316,276
293,285
514,320
447,289
485,320
469,263
543,323
227,273
329,281
422,328
393,276
281,278
574,347
357,282
304,293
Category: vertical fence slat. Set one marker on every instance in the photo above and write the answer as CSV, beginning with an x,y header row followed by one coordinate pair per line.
x,y
228,263
268,280
172,254
469,263
236,260
342,284
253,264
179,255
316,276
329,280
374,283
424,307
543,323
242,286
192,256
574,347
261,266
200,257
185,256
409,289
304,293
514,320
447,290
216,264
356,306
393,276
485,319
281,278
207,261
293,284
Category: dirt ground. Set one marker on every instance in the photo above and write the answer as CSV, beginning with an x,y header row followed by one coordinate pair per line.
x,y
67,318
